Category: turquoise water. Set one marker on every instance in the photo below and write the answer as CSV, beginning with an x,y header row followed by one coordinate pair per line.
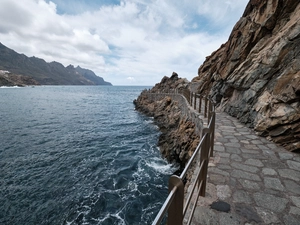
x,y
78,155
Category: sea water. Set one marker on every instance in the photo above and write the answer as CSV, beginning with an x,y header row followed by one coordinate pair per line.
x,y
78,155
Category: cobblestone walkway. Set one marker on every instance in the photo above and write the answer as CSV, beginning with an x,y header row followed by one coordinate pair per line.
x,y
258,180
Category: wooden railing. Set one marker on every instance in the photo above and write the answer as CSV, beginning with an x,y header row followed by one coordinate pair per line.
x,y
176,207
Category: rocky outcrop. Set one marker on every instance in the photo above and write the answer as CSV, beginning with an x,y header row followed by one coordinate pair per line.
x,y
179,136
9,79
255,75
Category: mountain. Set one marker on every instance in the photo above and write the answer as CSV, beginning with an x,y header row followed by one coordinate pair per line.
x,y
44,73
255,75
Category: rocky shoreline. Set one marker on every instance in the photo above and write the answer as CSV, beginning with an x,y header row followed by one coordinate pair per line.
x,y
179,135
9,79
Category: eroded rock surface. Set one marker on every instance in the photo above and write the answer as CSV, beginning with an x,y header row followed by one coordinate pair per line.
x,y
179,138
255,75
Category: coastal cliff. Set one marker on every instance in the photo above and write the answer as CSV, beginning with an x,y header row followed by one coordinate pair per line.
x,y
19,70
255,75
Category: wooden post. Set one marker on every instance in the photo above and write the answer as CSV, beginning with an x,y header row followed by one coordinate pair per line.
x,y
200,103
204,159
205,108
195,97
175,212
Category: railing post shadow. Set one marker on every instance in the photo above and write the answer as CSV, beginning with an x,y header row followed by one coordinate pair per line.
x,y
175,211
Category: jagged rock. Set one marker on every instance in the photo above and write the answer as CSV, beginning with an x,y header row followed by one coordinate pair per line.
x,y
255,75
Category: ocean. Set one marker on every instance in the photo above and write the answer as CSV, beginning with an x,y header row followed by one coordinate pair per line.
x,y
78,155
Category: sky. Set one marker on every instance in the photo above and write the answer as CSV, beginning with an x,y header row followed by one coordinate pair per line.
x,y
127,42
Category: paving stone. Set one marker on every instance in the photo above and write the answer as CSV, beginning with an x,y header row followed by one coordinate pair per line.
x,y
267,216
236,145
219,148
241,197
295,210
293,165
224,155
251,136
273,183
224,160
270,202
223,192
254,152
223,140
297,159
290,220
229,136
245,175
272,146
251,147
245,133
285,155
228,218
236,157
291,174
224,166
234,140
292,186
205,216
216,178
263,147
274,163
218,171
254,162
256,142
249,184
269,153
244,167
248,212
296,201
232,150
245,141
269,171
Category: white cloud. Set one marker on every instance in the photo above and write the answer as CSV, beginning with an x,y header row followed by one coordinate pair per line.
x,y
134,42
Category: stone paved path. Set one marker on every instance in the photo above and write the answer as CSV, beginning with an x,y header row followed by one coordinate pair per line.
x,y
259,180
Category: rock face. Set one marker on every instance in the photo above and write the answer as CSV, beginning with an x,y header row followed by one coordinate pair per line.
x,y
44,73
255,75
178,138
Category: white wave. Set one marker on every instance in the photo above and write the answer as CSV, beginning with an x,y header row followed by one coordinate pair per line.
x,y
161,166
10,87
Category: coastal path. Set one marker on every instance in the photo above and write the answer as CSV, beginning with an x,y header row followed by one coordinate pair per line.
x,y
250,180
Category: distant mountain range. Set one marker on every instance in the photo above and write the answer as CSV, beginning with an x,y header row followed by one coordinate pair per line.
x,y
18,69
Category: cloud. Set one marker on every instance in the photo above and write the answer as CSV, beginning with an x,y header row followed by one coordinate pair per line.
x,y
132,42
